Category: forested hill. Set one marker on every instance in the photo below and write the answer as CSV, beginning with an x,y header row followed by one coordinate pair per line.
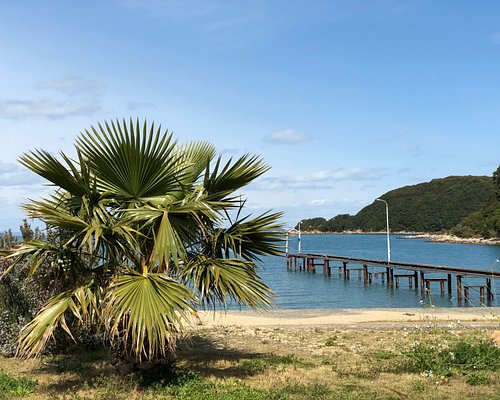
x,y
433,206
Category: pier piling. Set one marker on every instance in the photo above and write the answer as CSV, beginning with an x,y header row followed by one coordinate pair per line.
x,y
309,262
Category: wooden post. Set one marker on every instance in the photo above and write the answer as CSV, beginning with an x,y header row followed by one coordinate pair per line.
x,y
345,269
488,288
459,288
365,273
481,294
422,282
416,279
328,269
449,284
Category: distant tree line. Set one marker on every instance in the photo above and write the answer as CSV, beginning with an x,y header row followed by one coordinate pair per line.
x,y
486,221
19,299
465,205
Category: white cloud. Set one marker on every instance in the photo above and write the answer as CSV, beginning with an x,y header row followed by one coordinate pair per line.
x,y
287,136
271,183
73,96
339,174
316,180
318,202
52,109
73,86
11,199
14,175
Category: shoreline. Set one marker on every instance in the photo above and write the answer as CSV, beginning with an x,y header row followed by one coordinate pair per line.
x,y
354,318
431,237
445,238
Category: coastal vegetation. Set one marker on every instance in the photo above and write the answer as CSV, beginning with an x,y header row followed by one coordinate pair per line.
x,y
467,206
486,221
141,233
283,363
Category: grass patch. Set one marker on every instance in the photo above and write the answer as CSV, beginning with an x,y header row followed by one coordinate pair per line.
x,y
331,341
478,378
258,365
460,357
233,364
15,387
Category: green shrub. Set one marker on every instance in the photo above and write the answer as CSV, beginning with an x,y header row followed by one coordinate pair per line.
x,y
461,357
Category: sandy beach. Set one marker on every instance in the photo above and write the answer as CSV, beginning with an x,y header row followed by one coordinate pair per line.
x,y
355,318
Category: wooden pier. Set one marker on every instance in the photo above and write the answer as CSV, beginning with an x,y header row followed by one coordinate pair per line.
x,y
415,273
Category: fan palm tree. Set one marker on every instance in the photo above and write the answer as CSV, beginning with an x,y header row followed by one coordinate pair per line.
x,y
146,232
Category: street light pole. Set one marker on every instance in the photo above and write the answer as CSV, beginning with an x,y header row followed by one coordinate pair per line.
x,y
387,218
299,239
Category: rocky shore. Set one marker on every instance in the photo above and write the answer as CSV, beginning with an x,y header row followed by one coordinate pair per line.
x,y
452,239
432,237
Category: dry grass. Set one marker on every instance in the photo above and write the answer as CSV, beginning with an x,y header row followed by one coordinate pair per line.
x,y
280,363
358,361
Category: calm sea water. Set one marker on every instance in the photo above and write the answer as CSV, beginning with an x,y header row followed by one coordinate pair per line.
x,y
308,290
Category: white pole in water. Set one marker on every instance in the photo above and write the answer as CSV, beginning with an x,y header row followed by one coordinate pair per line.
x,y
299,237
387,218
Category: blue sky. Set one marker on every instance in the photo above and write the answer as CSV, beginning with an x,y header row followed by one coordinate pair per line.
x,y
344,99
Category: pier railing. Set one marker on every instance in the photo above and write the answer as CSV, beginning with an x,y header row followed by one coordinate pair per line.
x,y
367,269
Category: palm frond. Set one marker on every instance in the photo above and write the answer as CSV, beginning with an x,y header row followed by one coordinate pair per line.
x,y
194,159
82,302
173,226
131,161
222,181
146,311
47,166
218,281
247,238
258,236
31,255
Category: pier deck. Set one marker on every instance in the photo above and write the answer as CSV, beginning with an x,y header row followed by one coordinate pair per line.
x,y
309,261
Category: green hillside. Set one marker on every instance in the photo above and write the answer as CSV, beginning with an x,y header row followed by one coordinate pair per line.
x,y
438,205
486,221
